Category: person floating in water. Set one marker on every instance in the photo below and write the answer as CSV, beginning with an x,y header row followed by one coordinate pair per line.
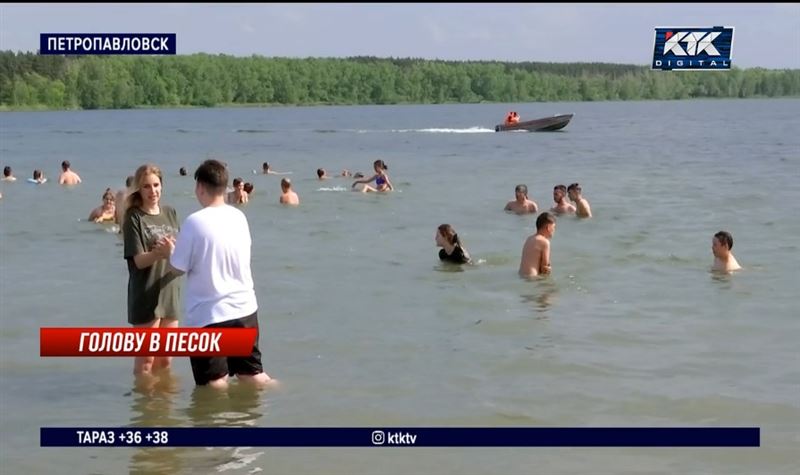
x,y
721,245
266,169
521,204
380,177
289,197
106,211
562,206
68,177
452,249
322,174
536,250
38,177
582,208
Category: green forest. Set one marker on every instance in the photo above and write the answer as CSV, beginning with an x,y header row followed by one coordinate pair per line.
x,y
32,81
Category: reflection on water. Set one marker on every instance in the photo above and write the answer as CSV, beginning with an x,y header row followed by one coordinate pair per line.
x,y
152,406
544,295
240,406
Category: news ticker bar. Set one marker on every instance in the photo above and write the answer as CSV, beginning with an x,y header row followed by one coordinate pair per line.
x,y
401,437
107,43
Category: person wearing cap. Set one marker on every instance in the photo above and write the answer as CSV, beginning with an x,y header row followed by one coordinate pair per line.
x,y
68,177
521,204
289,197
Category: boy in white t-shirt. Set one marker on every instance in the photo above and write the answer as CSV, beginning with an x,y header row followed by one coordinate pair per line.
x,y
213,249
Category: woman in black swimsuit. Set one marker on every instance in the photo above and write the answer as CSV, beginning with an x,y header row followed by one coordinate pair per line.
x,y
452,250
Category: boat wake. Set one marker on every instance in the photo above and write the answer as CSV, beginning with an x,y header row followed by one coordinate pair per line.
x,y
469,130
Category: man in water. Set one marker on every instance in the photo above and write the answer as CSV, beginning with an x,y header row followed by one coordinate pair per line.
x,y
583,210
721,245
289,197
521,205
536,250
8,175
238,196
120,198
68,177
213,249
560,197
322,174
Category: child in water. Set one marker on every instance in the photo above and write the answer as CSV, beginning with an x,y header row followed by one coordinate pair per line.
x,y
380,178
452,250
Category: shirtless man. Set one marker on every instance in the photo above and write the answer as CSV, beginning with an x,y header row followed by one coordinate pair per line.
x,y
120,199
721,245
583,210
289,197
322,174
68,177
560,197
521,205
8,175
536,250
238,196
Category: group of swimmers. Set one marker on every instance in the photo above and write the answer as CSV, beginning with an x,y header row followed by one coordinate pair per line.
x,y
535,259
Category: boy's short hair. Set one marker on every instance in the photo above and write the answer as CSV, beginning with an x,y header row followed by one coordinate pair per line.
x,y
574,186
213,175
560,187
724,237
521,189
544,219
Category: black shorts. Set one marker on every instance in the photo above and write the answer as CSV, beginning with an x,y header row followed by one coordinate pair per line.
x,y
207,369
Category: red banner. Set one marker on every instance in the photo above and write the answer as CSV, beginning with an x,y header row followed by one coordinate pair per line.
x,y
146,341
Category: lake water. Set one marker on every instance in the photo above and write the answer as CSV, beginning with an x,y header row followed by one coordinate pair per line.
x,y
364,327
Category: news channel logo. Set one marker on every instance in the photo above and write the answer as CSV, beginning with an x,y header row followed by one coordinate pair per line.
x,y
693,48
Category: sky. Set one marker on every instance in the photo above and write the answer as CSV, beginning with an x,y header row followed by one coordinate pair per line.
x,y
765,35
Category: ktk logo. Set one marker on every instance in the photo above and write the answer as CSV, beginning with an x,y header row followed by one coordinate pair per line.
x,y
693,48
696,43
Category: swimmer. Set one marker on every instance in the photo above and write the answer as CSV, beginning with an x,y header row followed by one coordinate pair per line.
x,y
521,204
452,249
267,170
121,197
182,171
536,250
68,177
38,177
8,175
382,183
106,211
248,188
582,208
238,196
562,206
289,197
721,245
322,174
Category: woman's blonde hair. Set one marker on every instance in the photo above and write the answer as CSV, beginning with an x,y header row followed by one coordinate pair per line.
x,y
134,200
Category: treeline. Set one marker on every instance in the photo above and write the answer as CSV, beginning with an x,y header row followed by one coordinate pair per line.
x,y
28,80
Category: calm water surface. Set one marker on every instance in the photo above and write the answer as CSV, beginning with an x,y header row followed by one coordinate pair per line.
x,y
364,327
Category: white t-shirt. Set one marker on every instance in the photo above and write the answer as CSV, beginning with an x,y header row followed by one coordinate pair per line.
x,y
213,249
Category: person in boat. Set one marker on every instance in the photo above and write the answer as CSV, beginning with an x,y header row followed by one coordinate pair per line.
x,y
106,211
380,177
452,249
512,118
521,204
